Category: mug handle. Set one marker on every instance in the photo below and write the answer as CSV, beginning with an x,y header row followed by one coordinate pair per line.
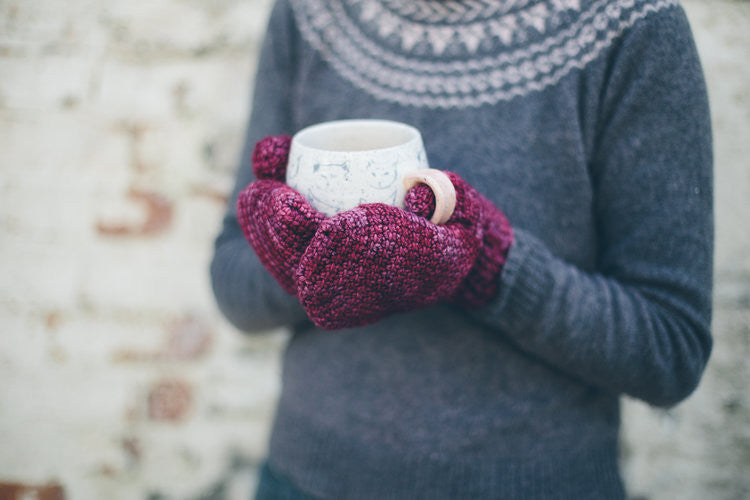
x,y
442,188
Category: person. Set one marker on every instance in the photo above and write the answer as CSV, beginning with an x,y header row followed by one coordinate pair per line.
x,y
578,268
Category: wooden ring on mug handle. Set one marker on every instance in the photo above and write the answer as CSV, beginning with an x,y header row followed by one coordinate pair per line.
x,y
442,188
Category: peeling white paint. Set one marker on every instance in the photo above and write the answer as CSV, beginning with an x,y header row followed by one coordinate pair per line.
x,y
100,98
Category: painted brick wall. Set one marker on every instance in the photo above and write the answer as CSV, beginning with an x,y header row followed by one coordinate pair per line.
x,y
120,124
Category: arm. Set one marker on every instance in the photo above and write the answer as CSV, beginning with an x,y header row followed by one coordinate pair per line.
x,y
640,324
245,292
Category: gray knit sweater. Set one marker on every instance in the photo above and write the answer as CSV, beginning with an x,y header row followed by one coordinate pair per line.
x,y
587,123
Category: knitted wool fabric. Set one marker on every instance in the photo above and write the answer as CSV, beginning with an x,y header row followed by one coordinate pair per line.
x,y
270,157
497,236
458,262
278,223
438,54
588,126
276,220
376,260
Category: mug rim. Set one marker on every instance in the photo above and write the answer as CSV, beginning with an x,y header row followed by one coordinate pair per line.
x,y
299,139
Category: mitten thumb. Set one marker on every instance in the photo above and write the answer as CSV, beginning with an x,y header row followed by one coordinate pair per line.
x,y
420,200
270,157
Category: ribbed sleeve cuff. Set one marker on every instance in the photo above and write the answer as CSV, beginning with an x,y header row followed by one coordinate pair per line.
x,y
527,278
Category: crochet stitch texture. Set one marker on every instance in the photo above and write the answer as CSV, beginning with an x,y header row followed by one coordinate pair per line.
x,y
279,224
375,260
367,263
277,221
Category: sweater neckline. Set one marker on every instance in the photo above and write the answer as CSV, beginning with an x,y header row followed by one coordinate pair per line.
x,y
450,28
468,53
461,11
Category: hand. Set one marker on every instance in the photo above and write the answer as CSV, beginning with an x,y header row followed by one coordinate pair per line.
x,y
375,260
277,220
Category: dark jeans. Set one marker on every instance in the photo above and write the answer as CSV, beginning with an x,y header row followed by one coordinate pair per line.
x,y
273,486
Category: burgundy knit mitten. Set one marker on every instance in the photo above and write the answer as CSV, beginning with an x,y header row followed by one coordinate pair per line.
x,y
277,220
375,260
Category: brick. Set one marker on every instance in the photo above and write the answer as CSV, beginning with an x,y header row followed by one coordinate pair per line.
x,y
18,491
170,400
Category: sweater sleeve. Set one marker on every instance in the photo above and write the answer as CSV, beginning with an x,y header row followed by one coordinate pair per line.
x,y
246,293
640,323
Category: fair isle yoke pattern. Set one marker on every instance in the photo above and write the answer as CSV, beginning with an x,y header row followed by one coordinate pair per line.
x,y
461,54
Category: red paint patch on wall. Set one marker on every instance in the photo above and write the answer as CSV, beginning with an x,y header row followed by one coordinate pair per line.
x,y
19,491
188,338
158,216
52,320
170,400
220,196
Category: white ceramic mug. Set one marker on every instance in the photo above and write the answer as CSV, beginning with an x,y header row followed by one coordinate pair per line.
x,y
341,164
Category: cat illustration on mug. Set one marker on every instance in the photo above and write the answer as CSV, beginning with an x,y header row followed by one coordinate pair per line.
x,y
328,178
382,176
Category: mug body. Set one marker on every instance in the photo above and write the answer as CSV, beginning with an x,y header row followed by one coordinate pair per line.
x,y
341,164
